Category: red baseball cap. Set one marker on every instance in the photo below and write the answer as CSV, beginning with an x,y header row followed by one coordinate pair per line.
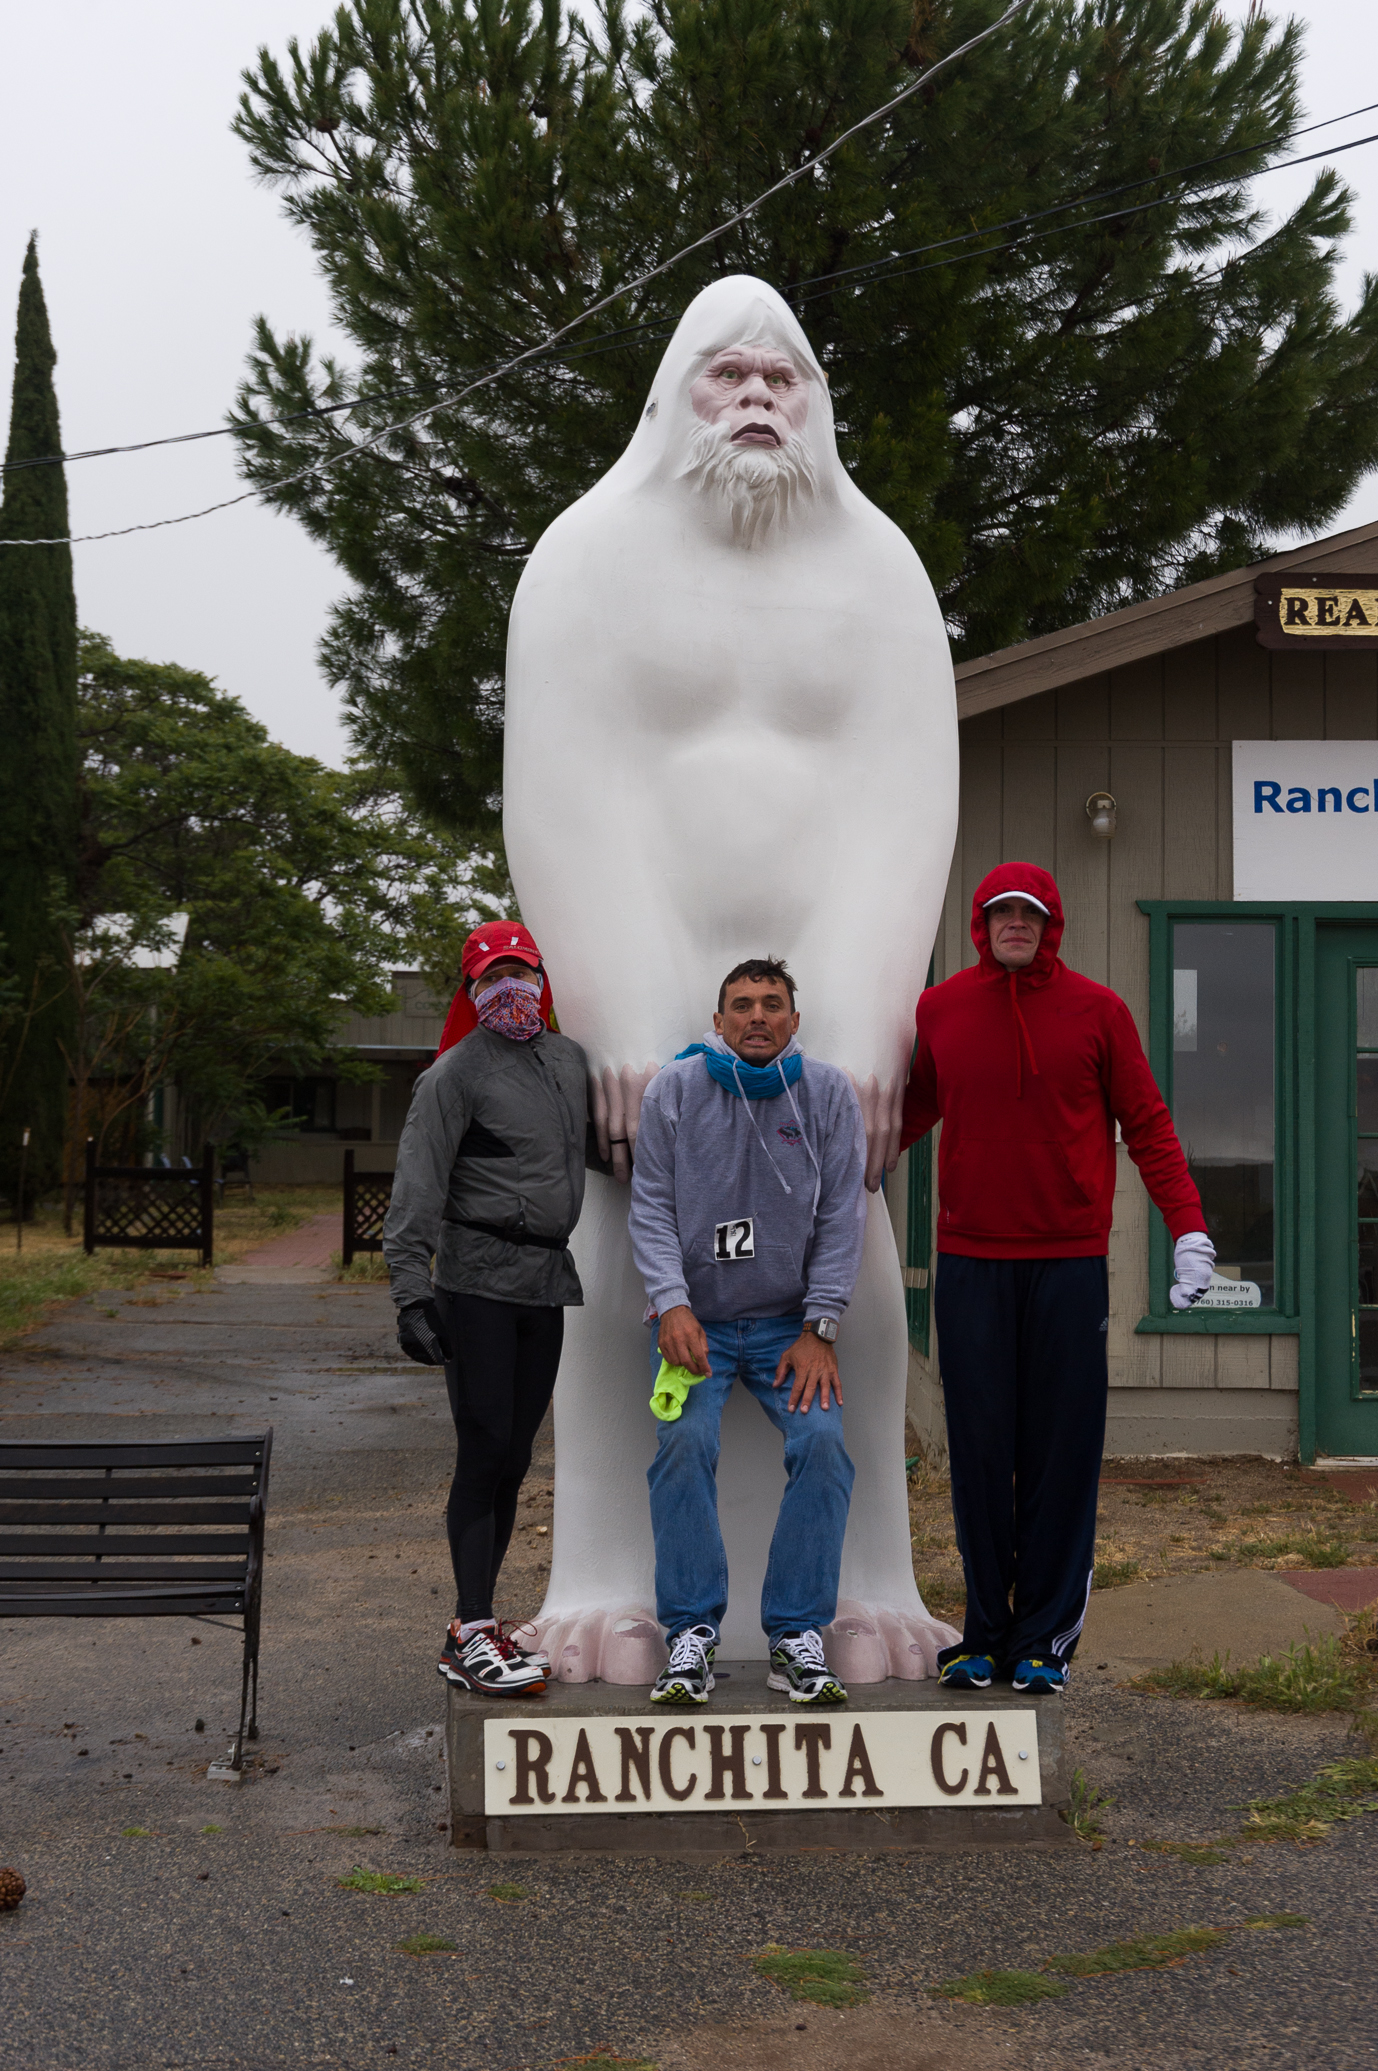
x,y
495,943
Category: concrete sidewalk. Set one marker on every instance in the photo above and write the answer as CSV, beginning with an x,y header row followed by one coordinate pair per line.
x,y
172,1922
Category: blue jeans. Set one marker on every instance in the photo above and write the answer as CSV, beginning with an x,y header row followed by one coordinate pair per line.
x,y
800,1587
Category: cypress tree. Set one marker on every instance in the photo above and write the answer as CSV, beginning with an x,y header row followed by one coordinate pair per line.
x,y
38,765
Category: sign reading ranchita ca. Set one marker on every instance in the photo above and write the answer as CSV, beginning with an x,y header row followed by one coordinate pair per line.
x,y
669,1765
1316,611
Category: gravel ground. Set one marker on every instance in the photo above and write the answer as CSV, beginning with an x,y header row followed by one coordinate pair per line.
x,y
180,1946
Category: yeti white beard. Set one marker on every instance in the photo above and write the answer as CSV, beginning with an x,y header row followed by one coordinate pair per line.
x,y
762,486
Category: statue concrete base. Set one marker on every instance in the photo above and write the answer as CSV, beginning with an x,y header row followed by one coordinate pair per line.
x,y
759,1772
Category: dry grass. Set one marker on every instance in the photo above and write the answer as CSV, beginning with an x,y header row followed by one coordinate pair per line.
x,y
52,1267
1191,1517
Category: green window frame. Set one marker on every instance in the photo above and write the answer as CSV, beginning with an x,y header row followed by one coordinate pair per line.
x,y
1283,1316
918,1244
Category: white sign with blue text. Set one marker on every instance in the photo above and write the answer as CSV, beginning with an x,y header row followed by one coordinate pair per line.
x,y
1306,820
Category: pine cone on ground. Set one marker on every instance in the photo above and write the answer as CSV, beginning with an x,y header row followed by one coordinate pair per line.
x,y
12,1889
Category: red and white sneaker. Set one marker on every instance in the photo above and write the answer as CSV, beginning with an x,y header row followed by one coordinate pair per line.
x,y
488,1665
514,1646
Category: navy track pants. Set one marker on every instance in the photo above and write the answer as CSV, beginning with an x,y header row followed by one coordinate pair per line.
x,y
1021,1347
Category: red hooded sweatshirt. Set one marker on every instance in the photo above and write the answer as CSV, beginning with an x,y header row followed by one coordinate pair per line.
x,y
1029,1072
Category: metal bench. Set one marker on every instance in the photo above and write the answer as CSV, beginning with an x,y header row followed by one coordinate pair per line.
x,y
139,1531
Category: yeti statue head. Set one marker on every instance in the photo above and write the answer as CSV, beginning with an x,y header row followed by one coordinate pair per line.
x,y
738,428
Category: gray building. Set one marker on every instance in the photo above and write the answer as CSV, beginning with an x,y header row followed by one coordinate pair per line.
x,y
1226,736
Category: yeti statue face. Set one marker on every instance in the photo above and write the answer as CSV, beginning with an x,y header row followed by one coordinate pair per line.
x,y
755,390
746,450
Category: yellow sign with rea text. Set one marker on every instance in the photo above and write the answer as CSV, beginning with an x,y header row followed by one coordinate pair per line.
x,y
703,1764
1316,610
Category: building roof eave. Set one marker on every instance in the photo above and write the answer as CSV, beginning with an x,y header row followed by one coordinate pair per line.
x,y
1159,623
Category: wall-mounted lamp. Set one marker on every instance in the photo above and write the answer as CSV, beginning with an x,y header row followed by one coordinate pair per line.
x,y
1103,813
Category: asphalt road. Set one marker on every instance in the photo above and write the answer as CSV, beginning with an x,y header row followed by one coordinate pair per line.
x,y
221,1936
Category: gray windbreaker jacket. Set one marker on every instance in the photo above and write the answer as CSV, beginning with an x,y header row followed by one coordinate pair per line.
x,y
711,1222
495,1134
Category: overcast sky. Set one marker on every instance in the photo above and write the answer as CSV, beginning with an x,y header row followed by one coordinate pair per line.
x,y
158,250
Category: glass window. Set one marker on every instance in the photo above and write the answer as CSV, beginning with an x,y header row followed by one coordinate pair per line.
x,y
1223,1092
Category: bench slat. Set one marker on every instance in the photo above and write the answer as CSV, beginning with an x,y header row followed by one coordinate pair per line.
x,y
113,1604
64,1514
204,1452
121,1545
124,1513
192,1488
120,1571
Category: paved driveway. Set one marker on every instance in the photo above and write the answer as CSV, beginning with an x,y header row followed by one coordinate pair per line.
x,y
219,1935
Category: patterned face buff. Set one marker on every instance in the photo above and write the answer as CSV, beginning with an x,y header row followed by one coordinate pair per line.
x,y
511,1008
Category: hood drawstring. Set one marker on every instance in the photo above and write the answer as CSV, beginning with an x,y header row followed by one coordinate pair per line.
x,y
817,1168
759,1138
1022,1040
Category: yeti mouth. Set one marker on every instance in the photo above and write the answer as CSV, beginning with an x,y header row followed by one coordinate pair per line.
x,y
756,434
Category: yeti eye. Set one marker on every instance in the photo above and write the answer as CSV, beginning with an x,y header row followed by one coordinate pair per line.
x,y
778,380
729,373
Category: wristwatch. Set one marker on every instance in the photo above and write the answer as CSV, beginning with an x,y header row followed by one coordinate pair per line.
x,y
824,1327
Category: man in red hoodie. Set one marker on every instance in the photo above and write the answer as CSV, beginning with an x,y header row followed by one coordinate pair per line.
x,y
1029,1067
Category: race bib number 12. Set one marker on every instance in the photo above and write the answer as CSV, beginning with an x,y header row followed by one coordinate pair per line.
x,y
734,1240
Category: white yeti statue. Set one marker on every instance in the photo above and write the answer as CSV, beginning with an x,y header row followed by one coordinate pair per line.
x,y
731,732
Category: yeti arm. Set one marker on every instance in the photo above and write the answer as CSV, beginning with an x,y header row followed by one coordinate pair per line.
x,y
653,1222
839,1227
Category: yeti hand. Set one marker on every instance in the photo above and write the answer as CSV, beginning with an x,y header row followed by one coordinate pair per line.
x,y
615,1099
882,1108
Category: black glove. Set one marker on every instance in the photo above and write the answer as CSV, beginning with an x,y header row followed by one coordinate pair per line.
x,y
422,1335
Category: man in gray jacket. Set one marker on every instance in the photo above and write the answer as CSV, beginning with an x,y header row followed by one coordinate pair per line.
x,y
490,1182
747,1219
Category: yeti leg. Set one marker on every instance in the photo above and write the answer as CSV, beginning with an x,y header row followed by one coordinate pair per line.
x,y
882,1628
598,1620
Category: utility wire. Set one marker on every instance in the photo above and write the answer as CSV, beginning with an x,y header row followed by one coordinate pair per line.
x,y
878,280
318,410
519,359
657,323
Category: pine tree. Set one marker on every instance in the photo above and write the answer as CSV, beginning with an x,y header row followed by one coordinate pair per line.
x,y
38,765
1128,394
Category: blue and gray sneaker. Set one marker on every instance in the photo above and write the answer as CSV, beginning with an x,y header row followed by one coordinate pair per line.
x,y
1041,1678
687,1677
967,1672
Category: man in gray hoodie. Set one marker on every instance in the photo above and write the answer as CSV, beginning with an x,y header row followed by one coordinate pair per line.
x,y
747,1219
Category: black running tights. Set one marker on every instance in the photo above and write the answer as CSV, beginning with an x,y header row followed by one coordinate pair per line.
x,y
500,1382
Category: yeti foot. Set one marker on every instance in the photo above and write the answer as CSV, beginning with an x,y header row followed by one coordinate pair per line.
x,y
868,1643
599,1646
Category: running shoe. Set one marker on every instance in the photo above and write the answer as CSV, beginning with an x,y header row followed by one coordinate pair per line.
x,y
480,1665
687,1677
514,1648
967,1672
1041,1678
798,1667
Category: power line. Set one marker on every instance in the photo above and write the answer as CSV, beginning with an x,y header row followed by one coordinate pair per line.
x,y
1107,194
519,359
318,410
879,280
657,323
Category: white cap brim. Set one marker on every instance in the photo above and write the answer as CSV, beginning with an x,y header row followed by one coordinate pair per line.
x,y
1028,897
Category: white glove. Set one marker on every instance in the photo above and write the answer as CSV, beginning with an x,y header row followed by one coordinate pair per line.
x,y
1192,1260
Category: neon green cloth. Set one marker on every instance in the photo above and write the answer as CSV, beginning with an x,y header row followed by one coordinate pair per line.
x,y
672,1385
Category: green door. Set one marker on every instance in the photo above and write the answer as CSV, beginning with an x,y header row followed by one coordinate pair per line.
x,y
1347,1191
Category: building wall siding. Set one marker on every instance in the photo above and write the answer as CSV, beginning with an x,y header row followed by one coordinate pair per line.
x,y
1157,735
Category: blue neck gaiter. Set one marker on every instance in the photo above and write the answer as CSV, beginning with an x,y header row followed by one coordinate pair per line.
x,y
749,1081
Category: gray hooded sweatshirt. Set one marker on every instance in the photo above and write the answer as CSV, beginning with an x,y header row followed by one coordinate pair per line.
x,y
749,1208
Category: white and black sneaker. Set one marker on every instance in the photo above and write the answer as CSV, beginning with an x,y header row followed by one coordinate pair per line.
x,y
488,1665
797,1666
687,1677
